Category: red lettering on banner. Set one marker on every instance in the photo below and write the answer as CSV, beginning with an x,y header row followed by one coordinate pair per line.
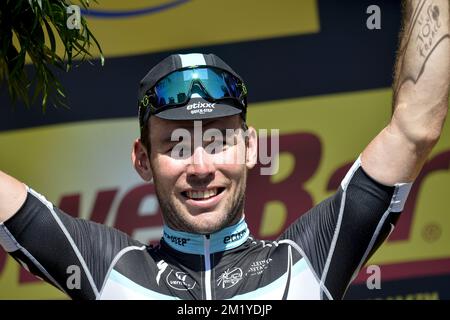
x,y
27,277
306,149
402,231
102,206
70,204
129,217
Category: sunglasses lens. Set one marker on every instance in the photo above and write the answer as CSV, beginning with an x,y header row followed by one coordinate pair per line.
x,y
172,89
176,88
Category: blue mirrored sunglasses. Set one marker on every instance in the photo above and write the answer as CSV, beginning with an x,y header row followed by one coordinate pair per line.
x,y
178,87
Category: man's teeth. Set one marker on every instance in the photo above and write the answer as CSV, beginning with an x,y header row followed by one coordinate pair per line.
x,y
201,194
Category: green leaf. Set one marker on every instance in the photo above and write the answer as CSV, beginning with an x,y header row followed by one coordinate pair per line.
x,y
30,21
52,40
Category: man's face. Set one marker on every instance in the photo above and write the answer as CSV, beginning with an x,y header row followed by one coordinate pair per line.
x,y
201,191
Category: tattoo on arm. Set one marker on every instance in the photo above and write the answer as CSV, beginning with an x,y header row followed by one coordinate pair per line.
x,y
424,32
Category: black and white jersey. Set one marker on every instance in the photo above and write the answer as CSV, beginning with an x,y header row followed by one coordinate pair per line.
x,y
315,258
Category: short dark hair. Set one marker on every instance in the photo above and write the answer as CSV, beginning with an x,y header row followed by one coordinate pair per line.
x,y
145,136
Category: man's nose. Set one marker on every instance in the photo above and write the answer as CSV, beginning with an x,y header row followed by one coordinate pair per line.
x,y
201,164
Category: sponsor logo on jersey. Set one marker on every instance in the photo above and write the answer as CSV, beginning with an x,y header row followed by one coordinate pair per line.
x,y
258,267
162,266
230,278
177,240
234,237
179,280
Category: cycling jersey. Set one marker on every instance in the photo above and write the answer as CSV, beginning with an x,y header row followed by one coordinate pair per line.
x,y
315,258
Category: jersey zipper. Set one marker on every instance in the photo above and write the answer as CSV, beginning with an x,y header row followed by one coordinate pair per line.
x,y
207,268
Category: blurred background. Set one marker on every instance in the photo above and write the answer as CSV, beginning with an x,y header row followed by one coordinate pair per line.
x,y
314,70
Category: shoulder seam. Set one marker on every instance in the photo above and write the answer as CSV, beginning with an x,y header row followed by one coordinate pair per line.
x,y
302,253
114,262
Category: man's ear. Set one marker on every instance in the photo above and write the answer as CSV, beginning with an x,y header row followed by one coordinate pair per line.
x,y
252,148
141,160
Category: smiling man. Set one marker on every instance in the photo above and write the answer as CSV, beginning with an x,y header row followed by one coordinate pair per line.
x,y
196,148
198,179
201,192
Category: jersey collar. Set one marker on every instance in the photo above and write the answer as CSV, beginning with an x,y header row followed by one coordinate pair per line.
x,y
225,239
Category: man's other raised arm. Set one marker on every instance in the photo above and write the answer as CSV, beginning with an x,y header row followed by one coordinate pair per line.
x,y
12,196
421,91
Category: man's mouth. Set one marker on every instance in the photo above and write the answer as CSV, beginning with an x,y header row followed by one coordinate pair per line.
x,y
202,194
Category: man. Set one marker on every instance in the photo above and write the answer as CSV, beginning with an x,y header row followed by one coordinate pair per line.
x,y
206,251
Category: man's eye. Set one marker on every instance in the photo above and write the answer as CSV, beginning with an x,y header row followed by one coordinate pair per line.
x,y
169,149
179,151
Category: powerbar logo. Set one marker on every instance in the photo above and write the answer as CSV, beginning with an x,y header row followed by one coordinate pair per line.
x,y
234,237
177,240
200,107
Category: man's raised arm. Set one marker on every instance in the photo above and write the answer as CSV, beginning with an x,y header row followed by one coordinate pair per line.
x,y
421,90
12,195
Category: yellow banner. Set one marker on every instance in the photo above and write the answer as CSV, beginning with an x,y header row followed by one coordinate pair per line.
x,y
135,27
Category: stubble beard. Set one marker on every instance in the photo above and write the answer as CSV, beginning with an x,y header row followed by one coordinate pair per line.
x,y
233,210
